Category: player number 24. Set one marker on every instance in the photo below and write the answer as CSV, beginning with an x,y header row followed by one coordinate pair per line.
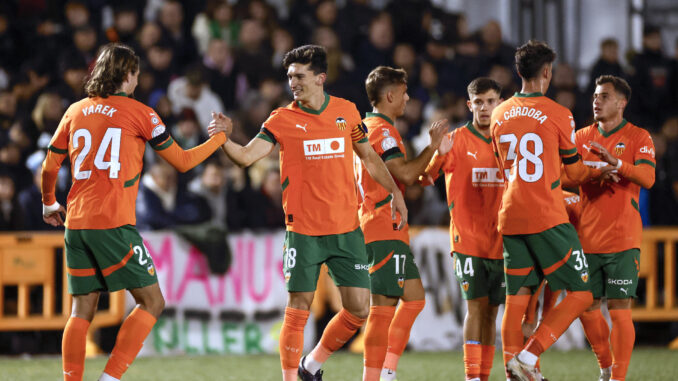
x,y
111,138
527,156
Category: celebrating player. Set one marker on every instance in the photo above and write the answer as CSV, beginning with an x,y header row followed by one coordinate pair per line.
x,y
474,189
610,226
532,135
316,133
393,273
105,135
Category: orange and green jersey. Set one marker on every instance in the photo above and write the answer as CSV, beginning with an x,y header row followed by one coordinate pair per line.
x,y
530,134
474,188
573,206
610,219
105,139
375,201
316,164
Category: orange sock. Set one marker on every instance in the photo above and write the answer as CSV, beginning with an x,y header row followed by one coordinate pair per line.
x,y
512,339
622,338
376,340
399,331
598,334
130,339
73,348
486,360
291,341
338,331
472,359
558,319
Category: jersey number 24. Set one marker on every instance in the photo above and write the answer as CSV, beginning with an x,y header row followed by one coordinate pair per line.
x,y
111,139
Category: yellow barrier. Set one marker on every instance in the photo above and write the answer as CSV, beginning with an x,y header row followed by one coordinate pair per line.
x,y
658,307
29,259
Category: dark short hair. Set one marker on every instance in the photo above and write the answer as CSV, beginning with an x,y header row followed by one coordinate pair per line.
x,y
620,85
380,78
531,57
307,54
609,42
114,63
482,85
650,29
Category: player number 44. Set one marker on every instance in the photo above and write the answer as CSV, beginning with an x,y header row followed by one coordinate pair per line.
x,y
468,267
111,139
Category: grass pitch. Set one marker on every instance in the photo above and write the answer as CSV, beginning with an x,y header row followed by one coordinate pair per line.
x,y
647,364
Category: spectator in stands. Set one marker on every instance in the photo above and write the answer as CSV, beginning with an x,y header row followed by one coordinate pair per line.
x,y
405,57
218,64
652,77
564,90
218,22
377,49
268,210
504,77
191,91
11,214
149,35
71,85
84,44
31,210
340,65
493,46
253,57
211,186
161,67
171,19
186,132
44,120
606,64
664,193
162,203
125,24
282,42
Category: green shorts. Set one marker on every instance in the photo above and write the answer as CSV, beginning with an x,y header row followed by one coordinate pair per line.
x,y
107,260
391,263
480,277
344,255
614,275
555,254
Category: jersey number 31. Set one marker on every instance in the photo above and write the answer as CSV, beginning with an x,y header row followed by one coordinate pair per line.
x,y
111,138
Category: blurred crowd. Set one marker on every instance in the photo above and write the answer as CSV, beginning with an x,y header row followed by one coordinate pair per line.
x,y
220,55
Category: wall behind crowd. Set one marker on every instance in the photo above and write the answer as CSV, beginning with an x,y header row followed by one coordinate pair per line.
x,y
200,56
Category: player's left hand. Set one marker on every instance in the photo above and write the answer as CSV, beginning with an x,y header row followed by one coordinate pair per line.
x,y
220,123
398,206
55,218
603,153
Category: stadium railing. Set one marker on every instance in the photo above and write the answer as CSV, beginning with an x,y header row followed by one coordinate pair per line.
x,y
30,261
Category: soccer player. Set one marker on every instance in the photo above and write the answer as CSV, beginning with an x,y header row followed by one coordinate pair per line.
x,y
104,135
393,274
532,135
610,227
474,189
318,134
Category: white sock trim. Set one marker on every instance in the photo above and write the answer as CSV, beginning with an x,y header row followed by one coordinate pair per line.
x,y
106,377
528,358
311,365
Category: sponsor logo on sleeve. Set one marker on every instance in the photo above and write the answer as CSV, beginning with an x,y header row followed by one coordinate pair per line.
x,y
158,130
388,142
647,150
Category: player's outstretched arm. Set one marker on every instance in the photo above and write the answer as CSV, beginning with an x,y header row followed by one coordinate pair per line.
x,y
408,171
52,212
242,156
186,160
377,169
642,173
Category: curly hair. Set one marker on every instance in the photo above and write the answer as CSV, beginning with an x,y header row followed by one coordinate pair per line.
x,y
307,54
113,65
531,57
380,78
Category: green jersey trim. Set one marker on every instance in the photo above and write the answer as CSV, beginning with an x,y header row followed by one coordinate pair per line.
x,y
316,112
567,152
131,181
477,133
528,95
379,115
607,134
285,183
383,202
635,205
645,161
555,184
57,150
164,145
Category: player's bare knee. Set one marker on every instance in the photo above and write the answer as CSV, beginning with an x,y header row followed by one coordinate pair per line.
x,y
85,306
360,312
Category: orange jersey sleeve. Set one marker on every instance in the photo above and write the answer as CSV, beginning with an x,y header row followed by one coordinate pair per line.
x,y
573,206
375,206
57,151
532,134
610,218
474,188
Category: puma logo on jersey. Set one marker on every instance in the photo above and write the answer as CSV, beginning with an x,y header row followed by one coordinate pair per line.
x,y
472,154
624,291
302,127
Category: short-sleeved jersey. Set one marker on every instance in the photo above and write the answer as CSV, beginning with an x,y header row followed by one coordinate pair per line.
x,y
105,139
474,189
316,164
610,218
530,133
573,206
375,205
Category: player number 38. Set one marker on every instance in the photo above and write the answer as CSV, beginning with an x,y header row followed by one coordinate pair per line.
x,y
526,154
